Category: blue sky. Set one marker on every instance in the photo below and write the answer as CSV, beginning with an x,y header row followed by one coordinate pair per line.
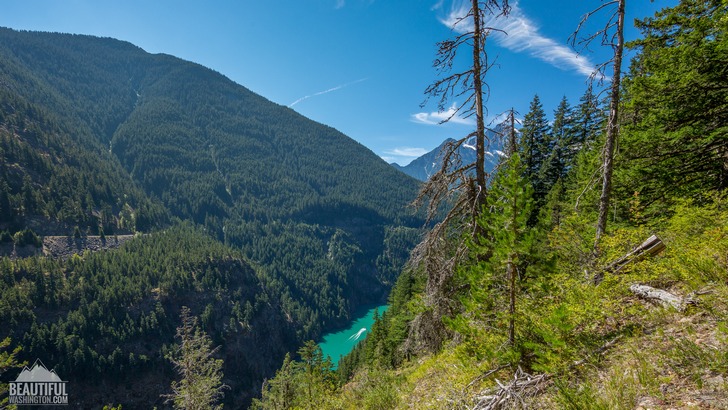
x,y
360,66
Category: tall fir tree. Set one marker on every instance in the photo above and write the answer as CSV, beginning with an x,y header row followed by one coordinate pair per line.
x,y
559,159
8,361
201,384
536,147
507,241
588,121
280,391
316,372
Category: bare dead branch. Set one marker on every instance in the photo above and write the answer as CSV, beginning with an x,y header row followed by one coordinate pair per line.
x,y
513,394
573,38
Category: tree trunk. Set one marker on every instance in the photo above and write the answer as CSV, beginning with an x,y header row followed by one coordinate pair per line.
x,y
512,307
512,271
480,121
512,143
612,128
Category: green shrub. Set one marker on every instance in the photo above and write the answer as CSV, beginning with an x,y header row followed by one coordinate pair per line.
x,y
28,237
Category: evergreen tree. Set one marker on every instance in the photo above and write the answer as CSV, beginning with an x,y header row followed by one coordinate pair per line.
x,y
588,122
509,207
279,392
677,98
8,360
536,147
562,135
316,372
301,384
494,284
6,209
28,195
201,384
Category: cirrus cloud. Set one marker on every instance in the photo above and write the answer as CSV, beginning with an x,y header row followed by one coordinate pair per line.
x,y
522,36
410,152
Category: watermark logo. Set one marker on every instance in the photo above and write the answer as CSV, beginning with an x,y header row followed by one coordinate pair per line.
x,y
37,386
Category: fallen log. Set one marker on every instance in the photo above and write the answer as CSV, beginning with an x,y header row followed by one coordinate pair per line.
x,y
650,247
668,299
663,297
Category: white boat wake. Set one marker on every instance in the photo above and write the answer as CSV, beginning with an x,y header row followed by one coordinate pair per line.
x,y
358,334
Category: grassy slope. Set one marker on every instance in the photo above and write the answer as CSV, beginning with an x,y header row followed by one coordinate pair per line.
x,y
662,359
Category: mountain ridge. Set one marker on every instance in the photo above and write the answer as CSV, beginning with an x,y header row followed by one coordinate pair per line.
x,y
426,165
102,137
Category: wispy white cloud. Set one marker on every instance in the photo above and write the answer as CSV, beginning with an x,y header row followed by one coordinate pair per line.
x,y
438,5
409,152
332,89
340,4
403,155
433,118
522,35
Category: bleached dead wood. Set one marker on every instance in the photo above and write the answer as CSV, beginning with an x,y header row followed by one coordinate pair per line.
x,y
663,297
666,298
650,247
513,394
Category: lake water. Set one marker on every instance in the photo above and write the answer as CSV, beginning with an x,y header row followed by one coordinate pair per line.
x,y
340,343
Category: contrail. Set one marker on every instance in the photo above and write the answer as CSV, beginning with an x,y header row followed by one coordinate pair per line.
x,y
338,87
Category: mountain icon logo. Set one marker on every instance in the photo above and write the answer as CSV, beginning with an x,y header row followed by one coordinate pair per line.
x,y
37,386
38,373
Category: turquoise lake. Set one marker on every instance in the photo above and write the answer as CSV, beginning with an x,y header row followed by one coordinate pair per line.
x,y
340,343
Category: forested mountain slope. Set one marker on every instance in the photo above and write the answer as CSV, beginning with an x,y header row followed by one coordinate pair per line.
x,y
148,108
106,320
314,207
101,136
55,176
